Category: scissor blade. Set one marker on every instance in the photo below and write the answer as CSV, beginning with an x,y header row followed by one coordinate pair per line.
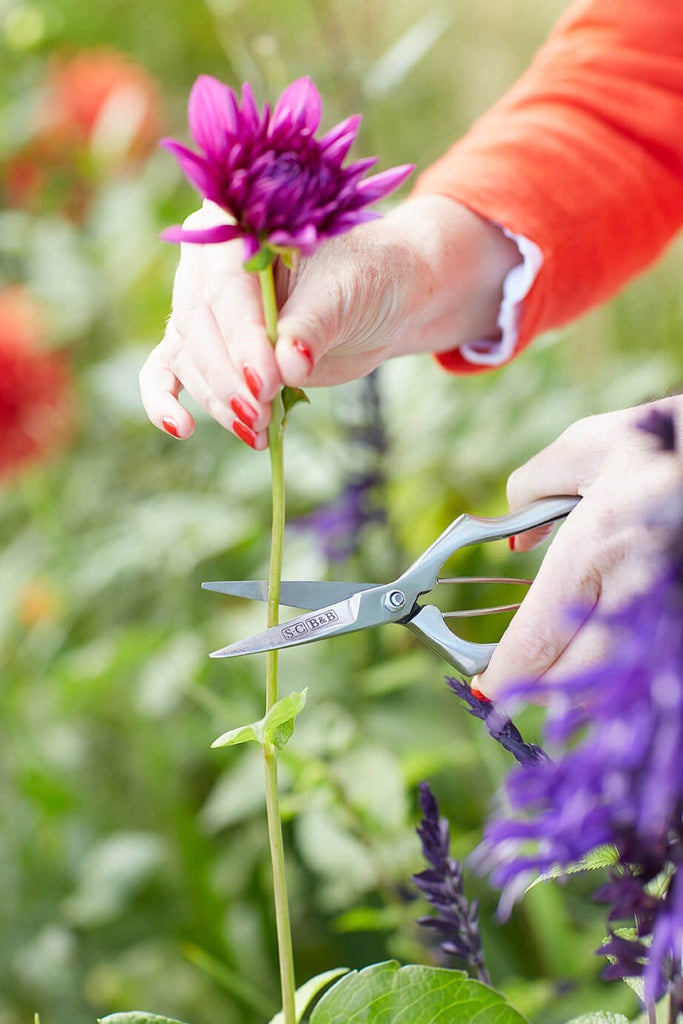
x,y
293,593
337,618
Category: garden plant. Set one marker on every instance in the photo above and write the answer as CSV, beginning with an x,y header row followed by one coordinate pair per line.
x,y
135,858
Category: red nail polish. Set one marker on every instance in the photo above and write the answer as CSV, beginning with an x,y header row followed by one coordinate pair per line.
x,y
252,380
302,348
480,696
171,427
511,542
244,433
247,413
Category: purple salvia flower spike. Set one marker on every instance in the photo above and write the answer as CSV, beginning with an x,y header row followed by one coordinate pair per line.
x,y
456,920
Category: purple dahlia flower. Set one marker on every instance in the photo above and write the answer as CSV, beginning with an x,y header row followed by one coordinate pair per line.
x,y
282,187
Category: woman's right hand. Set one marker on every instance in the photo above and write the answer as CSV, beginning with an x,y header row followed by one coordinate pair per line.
x,y
425,278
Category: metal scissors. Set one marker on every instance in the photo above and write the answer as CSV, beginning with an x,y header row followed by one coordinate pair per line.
x,y
334,608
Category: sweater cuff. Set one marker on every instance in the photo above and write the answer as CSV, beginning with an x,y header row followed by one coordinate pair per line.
x,y
517,285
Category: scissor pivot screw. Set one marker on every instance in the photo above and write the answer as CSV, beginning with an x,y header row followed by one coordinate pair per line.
x,y
394,600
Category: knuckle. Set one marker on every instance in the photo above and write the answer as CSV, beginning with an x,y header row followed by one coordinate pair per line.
x,y
535,648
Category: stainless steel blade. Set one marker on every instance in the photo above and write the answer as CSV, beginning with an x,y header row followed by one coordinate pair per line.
x,y
337,618
293,593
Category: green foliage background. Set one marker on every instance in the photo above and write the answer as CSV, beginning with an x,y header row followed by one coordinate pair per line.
x,y
133,862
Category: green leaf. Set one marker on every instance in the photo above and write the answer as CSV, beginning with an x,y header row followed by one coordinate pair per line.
x,y
389,994
242,734
260,260
306,993
276,727
292,397
137,1017
600,857
286,254
600,1017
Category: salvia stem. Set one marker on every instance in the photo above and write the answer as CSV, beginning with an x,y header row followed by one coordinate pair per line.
x,y
277,856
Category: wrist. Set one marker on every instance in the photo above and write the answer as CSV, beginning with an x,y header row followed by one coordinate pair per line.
x,y
462,262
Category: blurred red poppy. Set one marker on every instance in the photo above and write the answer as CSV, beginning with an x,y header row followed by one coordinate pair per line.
x,y
36,413
99,112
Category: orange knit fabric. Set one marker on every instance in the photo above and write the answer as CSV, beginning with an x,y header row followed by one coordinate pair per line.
x,y
584,156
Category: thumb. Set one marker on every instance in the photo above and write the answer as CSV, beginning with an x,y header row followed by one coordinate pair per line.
x,y
308,326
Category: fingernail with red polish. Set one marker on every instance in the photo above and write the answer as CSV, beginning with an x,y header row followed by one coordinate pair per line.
x,y
247,413
511,542
480,696
171,427
252,380
244,433
302,348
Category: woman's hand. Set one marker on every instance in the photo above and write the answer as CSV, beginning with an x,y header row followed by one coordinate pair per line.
x,y
427,277
602,554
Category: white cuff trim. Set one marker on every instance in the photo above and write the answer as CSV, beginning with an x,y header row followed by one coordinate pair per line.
x,y
516,287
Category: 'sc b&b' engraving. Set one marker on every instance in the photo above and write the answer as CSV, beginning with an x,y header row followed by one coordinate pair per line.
x,y
309,625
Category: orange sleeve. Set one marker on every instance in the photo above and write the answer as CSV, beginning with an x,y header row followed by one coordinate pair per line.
x,y
584,156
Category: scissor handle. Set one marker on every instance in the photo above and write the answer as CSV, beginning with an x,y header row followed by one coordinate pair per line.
x,y
467,530
468,657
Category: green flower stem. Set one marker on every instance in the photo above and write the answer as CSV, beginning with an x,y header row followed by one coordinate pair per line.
x,y
277,856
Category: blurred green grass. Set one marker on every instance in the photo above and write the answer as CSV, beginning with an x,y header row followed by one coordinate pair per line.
x,y
132,859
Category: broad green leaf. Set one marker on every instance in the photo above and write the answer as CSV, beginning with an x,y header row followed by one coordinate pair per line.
x,y
306,993
137,1017
276,727
600,1017
389,994
242,734
600,857
290,398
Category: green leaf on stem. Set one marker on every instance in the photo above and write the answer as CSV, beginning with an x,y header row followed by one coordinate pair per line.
x,y
292,397
601,857
260,260
286,254
386,993
276,727
307,992
279,722
136,1017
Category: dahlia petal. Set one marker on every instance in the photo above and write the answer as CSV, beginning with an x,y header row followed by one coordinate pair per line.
x,y
306,239
249,114
358,168
212,115
351,219
251,244
380,185
202,236
336,143
199,171
299,108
